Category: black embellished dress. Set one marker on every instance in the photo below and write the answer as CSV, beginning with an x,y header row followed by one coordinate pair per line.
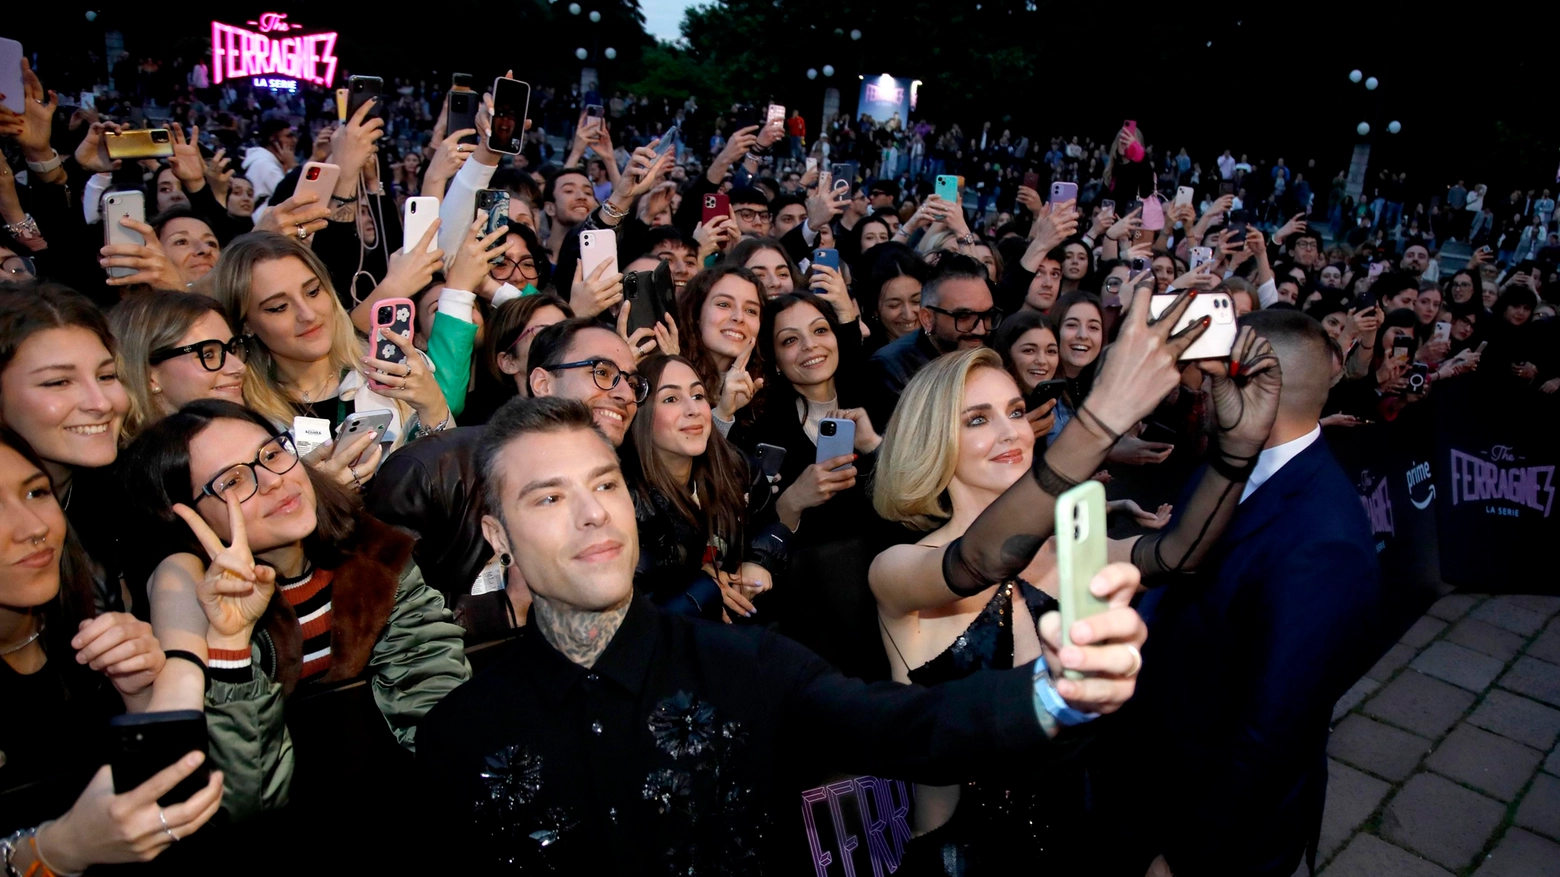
x,y
999,826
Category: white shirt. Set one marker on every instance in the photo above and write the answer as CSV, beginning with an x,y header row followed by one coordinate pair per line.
x,y
1273,459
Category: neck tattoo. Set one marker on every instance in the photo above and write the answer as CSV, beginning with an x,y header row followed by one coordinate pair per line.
x,y
579,634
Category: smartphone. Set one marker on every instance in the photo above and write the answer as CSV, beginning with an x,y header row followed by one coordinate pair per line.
x,y
1443,331
1153,214
117,205
826,256
1480,348
715,204
1219,339
1201,256
1375,269
398,315
812,164
1080,555
416,217
461,81
1238,224
1183,196
598,246
1032,181
308,433
11,85
654,296
776,115
1063,192
355,424
843,172
1044,392
1140,264
1108,207
493,203
770,457
341,104
141,143
668,140
836,438
947,188
1226,187
320,178
462,114
1130,125
511,101
595,116
361,90
1401,351
145,744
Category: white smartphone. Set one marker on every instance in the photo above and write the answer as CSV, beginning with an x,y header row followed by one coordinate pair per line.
x,y
376,421
308,433
11,85
320,178
1443,331
1201,256
116,206
596,247
776,115
1219,338
1183,195
416,217
836,438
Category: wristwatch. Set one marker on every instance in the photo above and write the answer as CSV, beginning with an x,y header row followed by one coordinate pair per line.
x,y
43,167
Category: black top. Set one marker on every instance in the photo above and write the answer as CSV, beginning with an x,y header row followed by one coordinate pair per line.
x,y
674,752
890,369
53,738
96,512
987,644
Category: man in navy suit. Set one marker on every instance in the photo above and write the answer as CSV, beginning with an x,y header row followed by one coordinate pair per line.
x,y
1286,610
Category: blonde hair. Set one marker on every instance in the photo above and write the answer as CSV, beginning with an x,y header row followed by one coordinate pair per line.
x,y
921,447
234,281
145,322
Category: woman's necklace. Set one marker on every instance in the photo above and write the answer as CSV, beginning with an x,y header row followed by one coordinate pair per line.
x,y
11,650
308,397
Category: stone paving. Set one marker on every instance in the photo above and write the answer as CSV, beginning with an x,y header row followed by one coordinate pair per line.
x,y
1443,758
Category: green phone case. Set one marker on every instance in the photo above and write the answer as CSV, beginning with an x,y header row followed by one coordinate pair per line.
x,y
1080,554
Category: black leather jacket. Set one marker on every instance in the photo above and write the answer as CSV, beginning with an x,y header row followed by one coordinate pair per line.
x,y
432,488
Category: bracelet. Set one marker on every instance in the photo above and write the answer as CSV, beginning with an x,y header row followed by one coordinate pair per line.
x,y
340,200
182,655
611,211
969,240
48,870
25,230
43,167
8,852
1050,481
1050,700
1115,436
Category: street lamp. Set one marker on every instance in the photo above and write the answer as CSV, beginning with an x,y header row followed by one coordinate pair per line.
x,y
812,72
1355,76
1394,126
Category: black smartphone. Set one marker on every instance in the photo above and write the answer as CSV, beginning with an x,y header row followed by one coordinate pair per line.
x,y
1157,432
147,743
654,296
461,81
511,100
1044,392
1226,187
1239,222
462,114
362,89
770,457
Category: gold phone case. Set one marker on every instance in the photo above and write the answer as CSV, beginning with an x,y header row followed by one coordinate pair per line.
x,y
144,143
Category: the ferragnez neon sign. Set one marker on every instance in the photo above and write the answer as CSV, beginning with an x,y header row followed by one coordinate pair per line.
x,y
239,53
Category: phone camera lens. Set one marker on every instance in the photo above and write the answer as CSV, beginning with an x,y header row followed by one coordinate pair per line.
x,y
314,173
159,136
827,427
386,314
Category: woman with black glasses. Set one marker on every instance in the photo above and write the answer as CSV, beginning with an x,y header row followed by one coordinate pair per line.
x,y
174,348
305,591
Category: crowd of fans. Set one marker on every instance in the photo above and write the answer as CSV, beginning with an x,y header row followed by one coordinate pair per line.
x,y
686,617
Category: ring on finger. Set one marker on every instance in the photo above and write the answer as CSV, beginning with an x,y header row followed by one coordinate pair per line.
x,y
1137,661
166,830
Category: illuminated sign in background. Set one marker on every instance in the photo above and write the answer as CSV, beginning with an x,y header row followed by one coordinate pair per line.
x,y
277,61
883,96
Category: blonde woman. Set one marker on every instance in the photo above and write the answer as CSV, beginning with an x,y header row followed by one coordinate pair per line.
x,y
954,463
304,356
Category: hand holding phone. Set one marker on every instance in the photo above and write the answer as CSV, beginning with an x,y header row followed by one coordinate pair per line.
x,y
396,315
1080,555
836,438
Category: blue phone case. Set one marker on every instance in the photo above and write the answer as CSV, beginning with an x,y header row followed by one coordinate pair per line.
x,y
826,256
842,442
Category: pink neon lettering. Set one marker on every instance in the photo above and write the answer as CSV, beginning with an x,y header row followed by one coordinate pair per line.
x,y
237,53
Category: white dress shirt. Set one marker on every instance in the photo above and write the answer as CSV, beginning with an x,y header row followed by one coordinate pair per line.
x,y
1273,459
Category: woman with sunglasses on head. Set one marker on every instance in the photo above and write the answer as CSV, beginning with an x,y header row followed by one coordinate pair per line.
x,y
700,543
304,358
60,392
301,578
65,670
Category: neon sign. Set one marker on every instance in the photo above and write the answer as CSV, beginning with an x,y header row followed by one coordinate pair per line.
x,y
238,53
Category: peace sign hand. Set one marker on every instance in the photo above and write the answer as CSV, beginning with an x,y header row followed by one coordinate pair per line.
x,y
738,387
236,590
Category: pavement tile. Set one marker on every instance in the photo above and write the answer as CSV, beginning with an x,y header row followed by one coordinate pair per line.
x,y
1441,820
1460,666
1543,604
1501,612
1370,856
1526,721
1351,797
1488,762
1540,808
1521,854
1481,636
1552,764
1547,646
1355,696
1454,606
1395,658
1537,679
1418,703
1381,749
1423,631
